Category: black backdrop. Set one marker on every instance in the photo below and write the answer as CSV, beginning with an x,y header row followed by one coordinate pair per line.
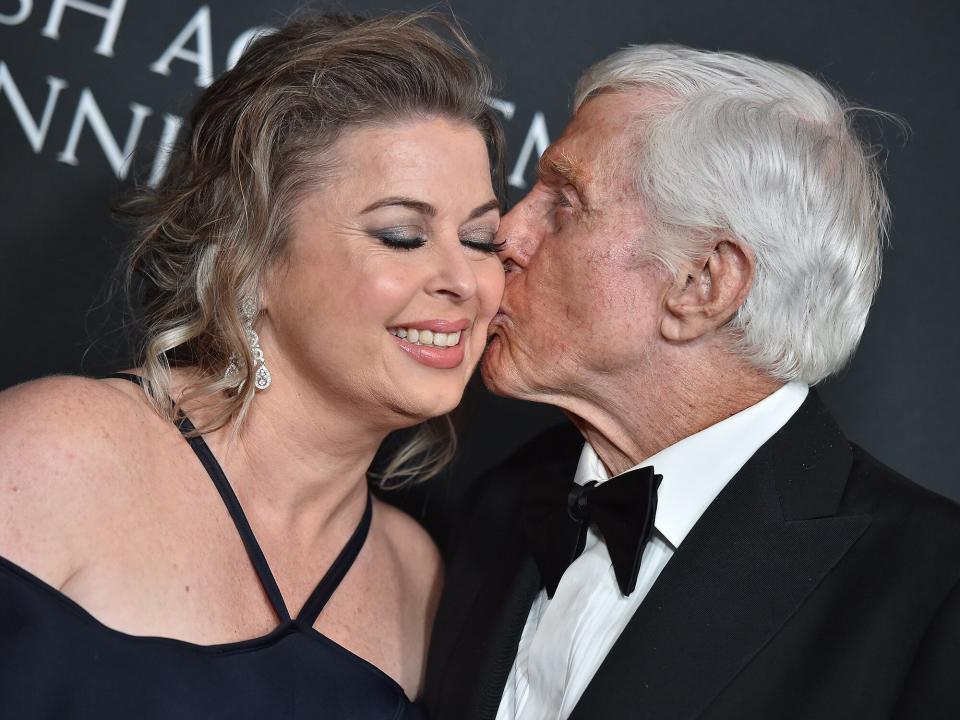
x,y
80,91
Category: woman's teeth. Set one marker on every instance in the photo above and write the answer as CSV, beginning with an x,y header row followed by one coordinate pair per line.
x,y
426,337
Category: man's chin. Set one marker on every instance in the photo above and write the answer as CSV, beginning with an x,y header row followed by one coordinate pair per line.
x,y
493,368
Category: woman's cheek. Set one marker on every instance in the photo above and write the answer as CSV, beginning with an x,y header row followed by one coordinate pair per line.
x,y
388,290
491,289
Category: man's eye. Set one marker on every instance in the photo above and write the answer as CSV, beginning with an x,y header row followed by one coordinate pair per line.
x,y
567,198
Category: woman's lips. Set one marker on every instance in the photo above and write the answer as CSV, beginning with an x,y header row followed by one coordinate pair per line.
x,y
444,326
432,356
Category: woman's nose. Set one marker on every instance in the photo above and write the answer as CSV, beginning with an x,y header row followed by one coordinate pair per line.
x,y
455,276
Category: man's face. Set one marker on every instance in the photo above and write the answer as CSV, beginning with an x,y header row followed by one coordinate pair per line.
x,y
582,304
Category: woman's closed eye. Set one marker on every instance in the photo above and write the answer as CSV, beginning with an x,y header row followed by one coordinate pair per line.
x,y
400,238
483,241
407,239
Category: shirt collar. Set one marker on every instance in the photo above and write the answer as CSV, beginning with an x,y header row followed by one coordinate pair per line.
x,y
698,467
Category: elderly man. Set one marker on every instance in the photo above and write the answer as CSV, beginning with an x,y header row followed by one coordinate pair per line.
x,y
703,245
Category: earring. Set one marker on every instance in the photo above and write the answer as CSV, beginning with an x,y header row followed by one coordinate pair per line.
x,y
261,377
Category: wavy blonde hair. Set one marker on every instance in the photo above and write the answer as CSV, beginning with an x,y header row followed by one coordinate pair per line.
x,y
257,142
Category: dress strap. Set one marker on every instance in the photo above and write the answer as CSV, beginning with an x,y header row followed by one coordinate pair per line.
x,y
136,379
229,497
210,464
334,576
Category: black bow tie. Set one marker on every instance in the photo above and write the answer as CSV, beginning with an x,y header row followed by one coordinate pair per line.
x,y
559,515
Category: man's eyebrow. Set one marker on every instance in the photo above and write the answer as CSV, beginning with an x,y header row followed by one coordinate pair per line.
x,y
562,166
416,205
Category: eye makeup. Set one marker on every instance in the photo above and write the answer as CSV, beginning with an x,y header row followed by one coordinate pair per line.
x,y
482,240
484,246
401,238
406,239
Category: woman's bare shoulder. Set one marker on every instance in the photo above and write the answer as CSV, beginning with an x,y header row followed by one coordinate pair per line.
x,y
418,567
65,443
414,551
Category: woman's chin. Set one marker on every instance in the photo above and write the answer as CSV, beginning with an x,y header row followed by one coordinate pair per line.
x,y
420,407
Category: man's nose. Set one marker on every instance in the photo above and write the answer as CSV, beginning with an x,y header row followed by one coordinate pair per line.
x,y
518,233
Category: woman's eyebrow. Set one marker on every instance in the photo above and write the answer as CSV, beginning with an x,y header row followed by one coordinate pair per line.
x,y
419,206
493,204
425,208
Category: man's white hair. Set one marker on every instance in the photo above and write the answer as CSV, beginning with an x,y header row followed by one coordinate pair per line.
x,y
767,154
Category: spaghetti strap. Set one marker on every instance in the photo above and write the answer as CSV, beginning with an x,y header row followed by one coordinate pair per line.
x,y
210,464
334,576
229,497
137,379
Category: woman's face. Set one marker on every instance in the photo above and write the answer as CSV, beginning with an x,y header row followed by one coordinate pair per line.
x,y
389,280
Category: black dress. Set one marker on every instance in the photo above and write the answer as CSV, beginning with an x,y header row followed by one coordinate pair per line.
x,y
58,661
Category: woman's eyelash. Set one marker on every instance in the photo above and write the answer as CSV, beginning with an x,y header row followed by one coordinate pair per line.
x,y
401,242
406,242
487,246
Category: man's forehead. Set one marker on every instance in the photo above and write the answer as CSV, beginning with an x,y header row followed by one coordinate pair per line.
x,y
605,118
593,140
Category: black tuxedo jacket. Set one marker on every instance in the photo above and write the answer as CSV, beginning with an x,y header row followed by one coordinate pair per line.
x,y
819,584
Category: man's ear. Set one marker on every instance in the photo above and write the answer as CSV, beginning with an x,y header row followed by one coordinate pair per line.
x,y
710,292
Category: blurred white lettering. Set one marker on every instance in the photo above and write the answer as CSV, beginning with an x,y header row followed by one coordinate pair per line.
x,y
202,57
112,15
504,107
36,132
26,7
89,112
537,138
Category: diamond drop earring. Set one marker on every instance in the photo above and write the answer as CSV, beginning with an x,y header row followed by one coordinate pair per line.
x,y
261,377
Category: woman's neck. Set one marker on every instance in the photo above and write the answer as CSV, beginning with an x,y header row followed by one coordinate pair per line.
x,y
297,462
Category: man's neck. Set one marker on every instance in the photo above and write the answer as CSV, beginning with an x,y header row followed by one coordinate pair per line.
x,y
630,421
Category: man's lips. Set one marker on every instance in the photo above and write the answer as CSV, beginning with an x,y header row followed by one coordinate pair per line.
x,y
499,320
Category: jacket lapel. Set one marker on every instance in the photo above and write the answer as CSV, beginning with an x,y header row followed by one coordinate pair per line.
x,y
476,637
757,552
509,612
490,586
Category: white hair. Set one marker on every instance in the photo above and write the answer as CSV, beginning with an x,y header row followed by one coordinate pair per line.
x,y
767,154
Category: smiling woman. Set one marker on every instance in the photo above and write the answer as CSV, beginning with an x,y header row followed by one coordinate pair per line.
x,y
317,270
402,236
265,136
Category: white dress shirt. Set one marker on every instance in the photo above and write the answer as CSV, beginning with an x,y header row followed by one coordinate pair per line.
x,y
567,637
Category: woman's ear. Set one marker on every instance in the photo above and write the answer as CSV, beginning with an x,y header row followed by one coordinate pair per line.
x,y
271,283
709,293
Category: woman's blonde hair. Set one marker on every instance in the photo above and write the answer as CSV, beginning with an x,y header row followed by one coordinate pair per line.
x,y
256,145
